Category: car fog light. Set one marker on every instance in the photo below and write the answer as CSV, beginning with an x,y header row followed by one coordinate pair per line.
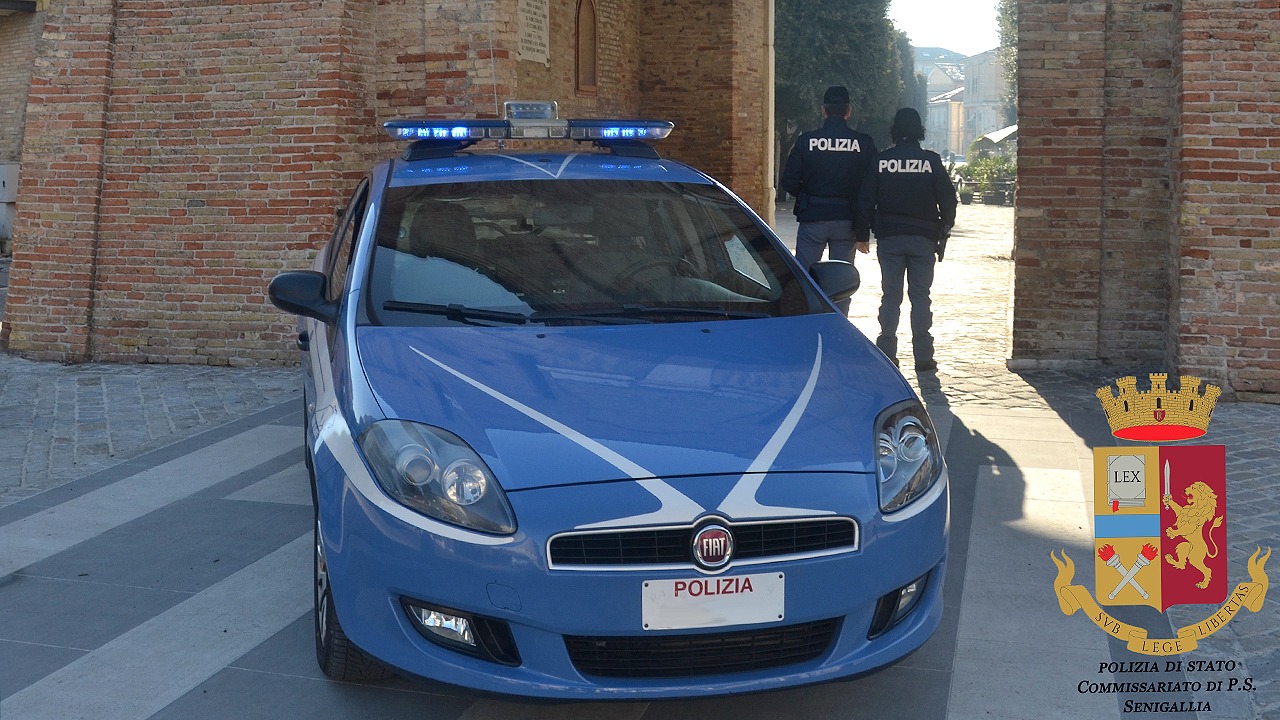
x,y
452,628
908,597
896,605
483,637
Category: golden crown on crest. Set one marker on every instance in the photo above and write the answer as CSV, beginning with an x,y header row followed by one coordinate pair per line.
x,y
1159,414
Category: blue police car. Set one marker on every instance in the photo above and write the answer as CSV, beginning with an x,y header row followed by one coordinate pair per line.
x,y
578,426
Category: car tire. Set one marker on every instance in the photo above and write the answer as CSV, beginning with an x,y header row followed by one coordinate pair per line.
x,y
338,657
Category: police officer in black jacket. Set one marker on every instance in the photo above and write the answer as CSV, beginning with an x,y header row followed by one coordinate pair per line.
x,y
823,172
909,197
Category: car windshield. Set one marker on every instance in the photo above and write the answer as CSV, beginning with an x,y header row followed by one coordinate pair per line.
x,y
573,252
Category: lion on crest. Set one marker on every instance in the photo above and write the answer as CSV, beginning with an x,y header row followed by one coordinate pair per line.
x,y
1202,502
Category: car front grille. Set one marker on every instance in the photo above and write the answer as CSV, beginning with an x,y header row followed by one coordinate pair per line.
x,y
673,656
674,546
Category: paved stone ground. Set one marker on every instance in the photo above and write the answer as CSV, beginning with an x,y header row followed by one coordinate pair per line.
x,y
62,422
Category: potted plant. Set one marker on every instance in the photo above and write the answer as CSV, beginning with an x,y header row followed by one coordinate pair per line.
x,y
962,176
994,176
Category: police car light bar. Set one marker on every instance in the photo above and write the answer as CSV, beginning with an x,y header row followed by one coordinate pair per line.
x,y
456,131
610,130
527,120
462,131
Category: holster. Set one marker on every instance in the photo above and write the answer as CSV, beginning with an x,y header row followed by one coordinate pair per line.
x,y
940,240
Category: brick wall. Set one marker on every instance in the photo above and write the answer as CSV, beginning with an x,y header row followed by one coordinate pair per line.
x,y
752,137
1061,87
1136,193
1149,177
18,35
673,84
694,86
179,153
1228,317
617,59
717,89
168,175
47,313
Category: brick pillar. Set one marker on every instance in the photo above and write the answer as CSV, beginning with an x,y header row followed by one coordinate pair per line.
x,y
18,35
752,174
1061,70
1228,188
50,301
1137,226
177,156
714,89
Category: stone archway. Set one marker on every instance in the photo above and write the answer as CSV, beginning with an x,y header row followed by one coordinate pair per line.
x,y
1148,180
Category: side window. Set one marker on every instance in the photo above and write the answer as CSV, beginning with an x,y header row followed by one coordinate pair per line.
x,y
731,258
345,241
744,261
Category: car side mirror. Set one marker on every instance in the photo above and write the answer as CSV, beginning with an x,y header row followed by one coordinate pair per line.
x,y
302,292
836,278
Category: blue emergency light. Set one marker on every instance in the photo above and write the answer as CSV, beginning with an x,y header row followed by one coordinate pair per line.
x,y
525,120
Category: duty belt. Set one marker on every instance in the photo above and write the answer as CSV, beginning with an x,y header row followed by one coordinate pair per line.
x,y
931,225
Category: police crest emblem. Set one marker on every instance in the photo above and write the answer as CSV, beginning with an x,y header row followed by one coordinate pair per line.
x,y
1160,522
1159,525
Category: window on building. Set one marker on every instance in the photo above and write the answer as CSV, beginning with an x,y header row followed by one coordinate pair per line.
x,y
587,46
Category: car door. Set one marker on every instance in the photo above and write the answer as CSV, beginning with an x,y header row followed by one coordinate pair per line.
x,y
318,337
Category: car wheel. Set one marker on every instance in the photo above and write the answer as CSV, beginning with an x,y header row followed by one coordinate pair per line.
x,y
339,658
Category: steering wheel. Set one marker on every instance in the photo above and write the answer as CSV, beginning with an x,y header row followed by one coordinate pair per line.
x,y
633,275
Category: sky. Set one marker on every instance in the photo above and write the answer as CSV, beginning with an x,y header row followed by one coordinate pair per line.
x,y
964,26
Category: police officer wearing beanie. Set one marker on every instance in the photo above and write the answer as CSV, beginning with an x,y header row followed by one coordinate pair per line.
x,y
909,197
823,172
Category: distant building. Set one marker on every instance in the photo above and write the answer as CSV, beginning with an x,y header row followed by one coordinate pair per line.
x,y
944,124
943,69
966,98
985,88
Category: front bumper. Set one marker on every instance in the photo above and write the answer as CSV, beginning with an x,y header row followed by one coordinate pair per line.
x,y
377,561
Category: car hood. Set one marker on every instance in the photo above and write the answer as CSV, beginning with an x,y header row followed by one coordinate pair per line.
x,y
557,406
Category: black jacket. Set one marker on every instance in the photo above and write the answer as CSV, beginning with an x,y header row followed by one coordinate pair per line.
x,y
825,168
907,191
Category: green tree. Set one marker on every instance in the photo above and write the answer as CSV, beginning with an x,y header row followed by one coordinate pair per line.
x,y
1007,18
915,87
819,43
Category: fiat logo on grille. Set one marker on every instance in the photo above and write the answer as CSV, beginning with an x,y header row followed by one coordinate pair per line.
x,y
712,547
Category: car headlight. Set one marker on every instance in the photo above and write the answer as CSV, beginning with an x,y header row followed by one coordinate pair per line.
x,y
436,473
908,457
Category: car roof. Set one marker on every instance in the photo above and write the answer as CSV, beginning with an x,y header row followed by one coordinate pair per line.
x,y
496,165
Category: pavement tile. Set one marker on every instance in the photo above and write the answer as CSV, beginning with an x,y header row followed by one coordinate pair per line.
x,y
63,422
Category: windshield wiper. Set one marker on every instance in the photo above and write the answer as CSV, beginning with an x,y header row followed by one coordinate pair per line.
x,y
641,312
622,314
458,313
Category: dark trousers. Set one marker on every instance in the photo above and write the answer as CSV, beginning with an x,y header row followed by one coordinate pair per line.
x,y
911,256
814,237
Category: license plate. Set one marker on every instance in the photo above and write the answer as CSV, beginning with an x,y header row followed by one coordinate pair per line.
x,y
708,602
